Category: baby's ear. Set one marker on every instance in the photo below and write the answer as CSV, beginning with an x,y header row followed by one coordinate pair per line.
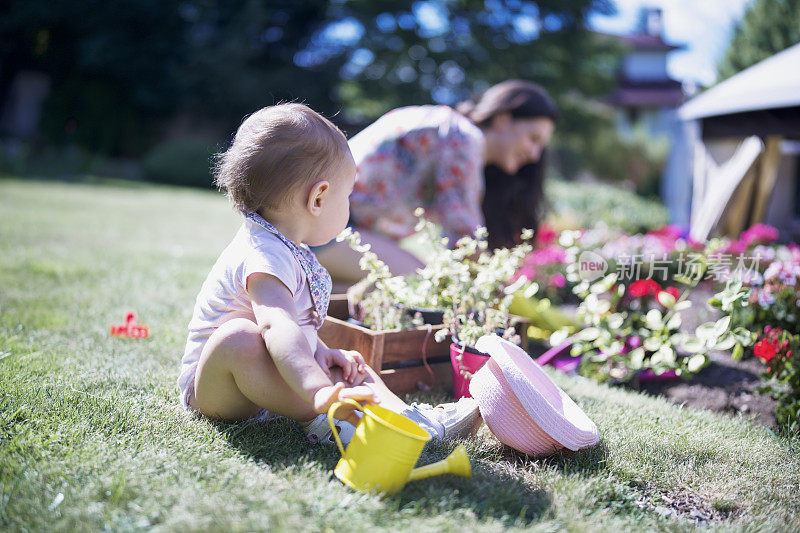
x,y
317,196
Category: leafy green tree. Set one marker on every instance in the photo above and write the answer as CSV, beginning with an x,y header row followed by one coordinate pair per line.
x,y
246,54
445,50
120,69
768,26
110,65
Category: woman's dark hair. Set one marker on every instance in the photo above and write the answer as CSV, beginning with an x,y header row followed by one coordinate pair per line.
x,y
518,98
512,202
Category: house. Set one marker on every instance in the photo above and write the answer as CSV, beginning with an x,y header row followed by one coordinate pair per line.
x,y
737,160
646,96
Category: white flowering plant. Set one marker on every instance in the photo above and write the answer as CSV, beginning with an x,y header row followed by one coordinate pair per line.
x,y
468,283
379,308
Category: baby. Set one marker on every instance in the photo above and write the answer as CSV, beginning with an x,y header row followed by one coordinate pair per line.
x,y
253,350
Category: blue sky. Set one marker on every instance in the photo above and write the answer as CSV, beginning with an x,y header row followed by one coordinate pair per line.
x,y
704,26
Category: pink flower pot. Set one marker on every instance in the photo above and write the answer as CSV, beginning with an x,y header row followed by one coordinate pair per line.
x,y
470,363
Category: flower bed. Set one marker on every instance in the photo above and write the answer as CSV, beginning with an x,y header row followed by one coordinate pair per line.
x,y
631,321
633,331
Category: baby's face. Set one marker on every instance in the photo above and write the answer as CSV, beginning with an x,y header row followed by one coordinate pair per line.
x,y
336,210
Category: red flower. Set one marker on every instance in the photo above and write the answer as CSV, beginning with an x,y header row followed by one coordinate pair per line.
x,y
765,349
644,287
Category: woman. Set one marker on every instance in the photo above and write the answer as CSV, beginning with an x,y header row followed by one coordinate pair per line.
x,y
435,157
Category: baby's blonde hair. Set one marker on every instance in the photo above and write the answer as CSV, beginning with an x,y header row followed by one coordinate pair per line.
x,y
276,150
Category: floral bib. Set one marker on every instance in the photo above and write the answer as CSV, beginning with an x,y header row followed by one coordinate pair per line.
x,y
319,281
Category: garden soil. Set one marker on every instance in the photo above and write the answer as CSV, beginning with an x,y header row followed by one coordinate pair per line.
x,y
724,385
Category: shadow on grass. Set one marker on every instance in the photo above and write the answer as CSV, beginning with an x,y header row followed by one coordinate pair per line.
x,y
498,487
585,463
278,443
496,490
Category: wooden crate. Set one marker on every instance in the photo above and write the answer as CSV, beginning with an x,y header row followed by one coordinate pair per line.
x,y
397,353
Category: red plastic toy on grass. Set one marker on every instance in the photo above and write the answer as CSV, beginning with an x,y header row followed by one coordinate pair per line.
x,y
130,328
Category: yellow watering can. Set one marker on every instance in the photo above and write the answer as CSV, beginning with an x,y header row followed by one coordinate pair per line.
x,y
384,449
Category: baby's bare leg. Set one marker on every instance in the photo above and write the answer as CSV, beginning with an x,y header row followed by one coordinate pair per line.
x,y
236,377
385,397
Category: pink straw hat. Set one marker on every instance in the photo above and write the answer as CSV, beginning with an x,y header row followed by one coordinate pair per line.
x,y
522,406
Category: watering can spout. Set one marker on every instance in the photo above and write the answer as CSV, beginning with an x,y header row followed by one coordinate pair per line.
x,y
456,463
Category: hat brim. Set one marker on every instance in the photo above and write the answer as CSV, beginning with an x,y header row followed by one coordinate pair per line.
x,y
548,407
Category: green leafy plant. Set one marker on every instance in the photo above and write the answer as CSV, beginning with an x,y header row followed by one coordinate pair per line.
x,y
583,205
733,300
468,283
765,307
772,289
636,327
380,307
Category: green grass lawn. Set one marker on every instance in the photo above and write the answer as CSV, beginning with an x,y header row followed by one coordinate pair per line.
x,y
91,435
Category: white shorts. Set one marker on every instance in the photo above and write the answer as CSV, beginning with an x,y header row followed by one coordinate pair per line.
x,y
261,416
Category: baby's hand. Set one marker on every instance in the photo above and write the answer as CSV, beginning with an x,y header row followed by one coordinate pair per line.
x,y
350,361
327,396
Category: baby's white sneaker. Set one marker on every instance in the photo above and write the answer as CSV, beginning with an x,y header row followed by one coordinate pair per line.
x,y
445,421
319,430
448,420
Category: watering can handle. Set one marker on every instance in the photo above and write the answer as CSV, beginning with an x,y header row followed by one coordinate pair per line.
x,y
332,410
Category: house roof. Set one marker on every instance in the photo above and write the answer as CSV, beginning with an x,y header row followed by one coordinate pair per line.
x,y
647,98
667,93
772,83
649,42
642,41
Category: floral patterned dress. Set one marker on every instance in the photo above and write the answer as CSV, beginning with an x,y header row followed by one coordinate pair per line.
x,y
420,156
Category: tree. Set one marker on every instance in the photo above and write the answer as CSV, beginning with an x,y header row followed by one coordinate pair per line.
x,y
120,69
246,54
110,65
445,50
768,26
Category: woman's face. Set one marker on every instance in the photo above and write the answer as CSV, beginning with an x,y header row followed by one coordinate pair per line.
x,y
513,143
